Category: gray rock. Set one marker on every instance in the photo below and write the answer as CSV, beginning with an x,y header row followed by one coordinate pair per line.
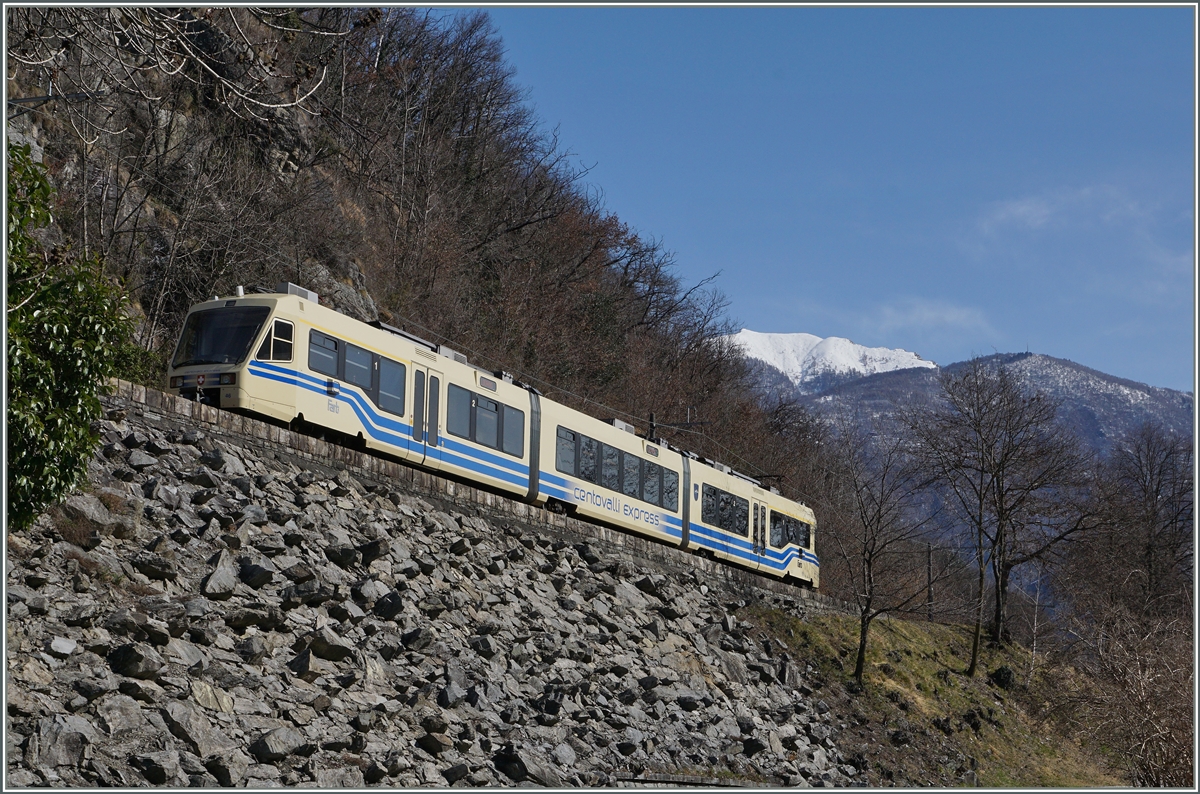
x,y
520,764
309,666
373,550
452,695
565,756
435,743
389,606
277,744
120,714
253,514
252,649
191,727
154,566
62,741
221,583
159,768
136,660
342,555
84,615
346,611
145,691
92,688
140,461
62,647
256,576
205,478
417,639
229,768
346,777
89,511
326,644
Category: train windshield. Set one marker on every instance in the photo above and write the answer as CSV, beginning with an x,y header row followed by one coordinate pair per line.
x,y
219,336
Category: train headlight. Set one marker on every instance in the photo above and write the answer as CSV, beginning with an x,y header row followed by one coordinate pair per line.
x,y
176,382
229,379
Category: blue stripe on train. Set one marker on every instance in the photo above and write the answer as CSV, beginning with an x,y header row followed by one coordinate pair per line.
x,y
743,550
467,458
451,452
557,487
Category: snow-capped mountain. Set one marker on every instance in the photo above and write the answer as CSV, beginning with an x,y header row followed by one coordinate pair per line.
x,y
828,375
1099,408
813,364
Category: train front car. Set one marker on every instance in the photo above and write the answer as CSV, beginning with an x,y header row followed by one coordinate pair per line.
x,y
214,349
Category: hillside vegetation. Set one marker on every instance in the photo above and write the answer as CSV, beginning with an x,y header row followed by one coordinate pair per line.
x,y
917,721
387,159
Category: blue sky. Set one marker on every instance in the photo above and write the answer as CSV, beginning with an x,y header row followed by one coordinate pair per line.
x,y
952,181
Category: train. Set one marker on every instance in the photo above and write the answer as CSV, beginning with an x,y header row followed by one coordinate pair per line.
x,y
285,358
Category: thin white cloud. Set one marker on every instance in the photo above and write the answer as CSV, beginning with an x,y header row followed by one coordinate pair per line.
x,y
934,329
924,315
1061,208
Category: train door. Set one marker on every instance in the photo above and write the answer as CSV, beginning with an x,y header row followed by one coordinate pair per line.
x,y
426,426
758,532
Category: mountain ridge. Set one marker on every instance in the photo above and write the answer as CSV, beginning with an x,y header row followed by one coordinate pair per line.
x,y
1098,406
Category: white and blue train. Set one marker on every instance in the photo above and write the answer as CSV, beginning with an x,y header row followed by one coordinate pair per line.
x,y
284,357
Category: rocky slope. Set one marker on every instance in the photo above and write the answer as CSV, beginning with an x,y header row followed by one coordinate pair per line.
x,y
215,611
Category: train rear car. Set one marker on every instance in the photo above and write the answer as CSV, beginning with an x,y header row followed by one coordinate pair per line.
x,y
734,518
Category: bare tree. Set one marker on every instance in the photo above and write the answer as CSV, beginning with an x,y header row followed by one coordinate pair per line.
x,y
1126,610
1140,693
239,55
1148,500
879,541
1007,468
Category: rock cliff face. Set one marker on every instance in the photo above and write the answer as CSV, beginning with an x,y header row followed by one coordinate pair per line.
x,y
233,605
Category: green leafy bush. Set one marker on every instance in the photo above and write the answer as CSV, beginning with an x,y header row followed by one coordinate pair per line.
x,y
67,331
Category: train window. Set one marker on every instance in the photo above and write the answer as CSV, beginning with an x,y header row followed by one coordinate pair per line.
x,y
277,344
785,530
651,482
801,535
219,336
435,398
322,353
487,423
610,467
514,431
708,508
281,346
458,413
587,458
391,386
358,366
670,491
735,514
565,457
780,531
726,511
631,484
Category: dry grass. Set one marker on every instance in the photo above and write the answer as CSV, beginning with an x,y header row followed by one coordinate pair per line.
x,y
914,677
74,531
115,502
